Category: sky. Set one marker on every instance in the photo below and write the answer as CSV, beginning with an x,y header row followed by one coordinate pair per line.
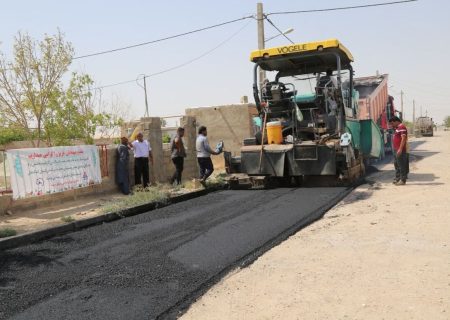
x,y
409,41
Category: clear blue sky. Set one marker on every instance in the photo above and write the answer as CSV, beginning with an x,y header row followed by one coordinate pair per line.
x,y
410,42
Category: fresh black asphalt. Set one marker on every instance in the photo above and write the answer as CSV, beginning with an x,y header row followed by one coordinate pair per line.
x,y
154,264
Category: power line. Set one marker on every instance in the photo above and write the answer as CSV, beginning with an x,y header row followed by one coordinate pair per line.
x,y
113,84
200,56
342,8
233,21
289,39
162,39
180,65
281,32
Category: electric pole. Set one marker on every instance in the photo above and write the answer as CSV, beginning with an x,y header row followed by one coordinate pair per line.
x,y
260,22
146,102
401,104
414,113
146,114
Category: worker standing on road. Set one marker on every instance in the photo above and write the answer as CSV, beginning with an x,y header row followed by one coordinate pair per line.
x,y
400,141
142,155
122,172
204,153
178,155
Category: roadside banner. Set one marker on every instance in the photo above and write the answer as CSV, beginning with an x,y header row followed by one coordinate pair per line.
x,y
41,171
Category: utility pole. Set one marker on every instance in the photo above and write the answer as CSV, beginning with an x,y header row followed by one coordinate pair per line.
x,y
414,113
401,105
147,114
260,22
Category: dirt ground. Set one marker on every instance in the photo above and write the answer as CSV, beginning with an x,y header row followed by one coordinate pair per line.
x,y
50,216
382,253
82,208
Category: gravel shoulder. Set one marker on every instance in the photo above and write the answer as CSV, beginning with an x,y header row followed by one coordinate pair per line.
x,y
382,253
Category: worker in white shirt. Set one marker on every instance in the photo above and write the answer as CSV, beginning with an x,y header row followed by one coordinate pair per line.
x,y
142,154
204,152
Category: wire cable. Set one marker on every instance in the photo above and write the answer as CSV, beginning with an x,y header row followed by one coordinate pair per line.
x,y
281,32
179,65
113,84
342,8
162,39
200,56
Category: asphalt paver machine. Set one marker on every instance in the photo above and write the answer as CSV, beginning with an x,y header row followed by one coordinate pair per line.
x,y
308,129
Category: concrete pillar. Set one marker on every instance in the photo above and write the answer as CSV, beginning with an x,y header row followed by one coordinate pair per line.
x,y
152,132
190,135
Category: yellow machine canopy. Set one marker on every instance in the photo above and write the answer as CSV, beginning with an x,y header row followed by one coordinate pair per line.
x,y
303,58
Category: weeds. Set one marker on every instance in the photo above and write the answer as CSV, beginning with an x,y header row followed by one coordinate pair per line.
x,y
218,181
67,219
139,197
7,232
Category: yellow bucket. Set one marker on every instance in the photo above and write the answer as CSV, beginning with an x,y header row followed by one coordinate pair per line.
x,y
274,133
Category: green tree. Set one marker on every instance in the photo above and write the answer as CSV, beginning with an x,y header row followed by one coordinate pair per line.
x,y
72,114
33,102
166,138
9,134
31,80
447,121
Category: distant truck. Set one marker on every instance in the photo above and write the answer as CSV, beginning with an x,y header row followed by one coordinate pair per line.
x,y
423,126
376,104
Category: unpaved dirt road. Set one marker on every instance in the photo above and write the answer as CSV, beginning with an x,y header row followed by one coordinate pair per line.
x,y
382,253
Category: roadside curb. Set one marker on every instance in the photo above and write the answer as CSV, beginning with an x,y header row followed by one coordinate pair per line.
x,y
34,236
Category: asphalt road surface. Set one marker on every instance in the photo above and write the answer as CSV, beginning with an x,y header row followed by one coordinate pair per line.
x,y
154,264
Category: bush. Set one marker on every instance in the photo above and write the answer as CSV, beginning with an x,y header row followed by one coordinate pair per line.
x,y
9,134
7,232
166,138
67,219
139,197
217,181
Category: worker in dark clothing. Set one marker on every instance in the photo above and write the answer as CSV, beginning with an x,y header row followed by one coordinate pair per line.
x,y
328,80
400,156
178,155
122,165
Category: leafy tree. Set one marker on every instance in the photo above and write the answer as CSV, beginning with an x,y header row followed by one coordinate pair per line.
x,y
33,102
166,138
9,134
447,121
72,114
31,80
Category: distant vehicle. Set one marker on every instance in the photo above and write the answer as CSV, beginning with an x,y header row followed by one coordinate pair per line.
x,y
423,126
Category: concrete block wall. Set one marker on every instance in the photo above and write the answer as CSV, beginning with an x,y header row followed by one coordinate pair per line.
x,y
230,123
163,168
